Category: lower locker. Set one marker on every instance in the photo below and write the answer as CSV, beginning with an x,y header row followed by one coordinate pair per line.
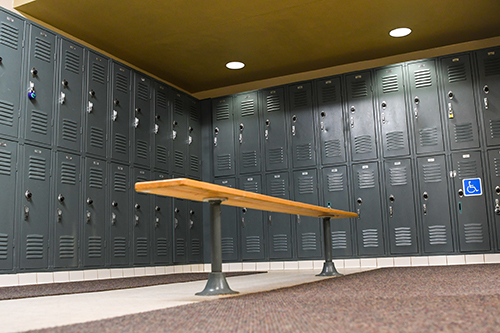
x,y
180,231
141,217
8,179
162,228
229,225
195,249
118,219
251,223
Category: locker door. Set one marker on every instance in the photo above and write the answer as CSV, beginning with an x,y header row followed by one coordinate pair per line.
x,y
67,210
34,205
180,231
194,138
161,127
275,133
120,113
434,204
494,205
251,222
459,106
195,251
302,125
222,122
369,228
141,203
246,127
279,225
400,207
473,230
229,225
96,104
425,107
392,111
331,120
361,117
142,128
8,178
336,195
69,96
179,133
489,93
94,212
11,52
308,228
119,239
40,86
162,231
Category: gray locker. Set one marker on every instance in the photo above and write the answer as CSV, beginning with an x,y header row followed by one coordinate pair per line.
x,y
424,107
369,226
194,138
195,250
251,222
331,121
34,205
305,184
246,128
302,125
489,93
162,228
96,104
161,129
274,127
229,225
336,195
434,204
11,64
399,204
118,218
120,113
458,98
494,205
361,117
392,111
69,96
470,204
223,145
142,221
8,179
179,133
141,122
94,215
66,213
279,225
40,80
181,216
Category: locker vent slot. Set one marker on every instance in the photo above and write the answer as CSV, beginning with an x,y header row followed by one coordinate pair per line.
x,y
95,247
280,243
333,148
300,99
496,161
403,236
249,159
304,152
5,162
227,244
194,163
72,62
390,83
97,137
37,168
96,178
121,83
161,99
457,73
179,159
66,247
43,50
437,235
309,241
432,173
98,73
69,130
180,249
194,115
495,128
9,36
121,144
68,173
39,122
142,149
251,186
492,67
273,103
398,176
428,136
339,240
335,182
276,155
395,140
370,238
224,162
195,247
142,179
253,244
366,179
119,247
34,246
161,247
222,112
328,94
141,247
467,169
143,91
463,132
161,154
306,185
423,78
120,182
277,188
473,233
247,108
363,144
6,113
359,89
4,248
178,106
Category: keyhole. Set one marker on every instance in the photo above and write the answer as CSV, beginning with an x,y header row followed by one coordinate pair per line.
x,y
450,95
486,89
417,100
359,201
216,130
323,114
425,195
353,109
294,118
268,122
392,198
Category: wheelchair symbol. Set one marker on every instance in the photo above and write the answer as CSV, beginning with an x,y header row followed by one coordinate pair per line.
x,y
471,188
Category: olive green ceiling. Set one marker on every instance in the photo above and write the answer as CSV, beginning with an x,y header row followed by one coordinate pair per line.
x,y
188,43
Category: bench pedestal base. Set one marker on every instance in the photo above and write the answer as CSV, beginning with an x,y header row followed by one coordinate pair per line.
x,y
216,285
328,266
328,269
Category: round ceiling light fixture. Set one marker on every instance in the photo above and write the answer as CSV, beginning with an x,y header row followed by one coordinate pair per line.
x,y
400,32
235,65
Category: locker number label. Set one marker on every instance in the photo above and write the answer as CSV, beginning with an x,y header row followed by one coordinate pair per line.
x,y
472,186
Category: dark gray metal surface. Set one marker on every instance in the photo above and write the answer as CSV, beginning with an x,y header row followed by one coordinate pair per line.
x,y
121,112
274,129
179,132
161,126
194,138
142,128
247,134
229,225
195,225
251,222
181,216
223,136
162,226
118,221
141,217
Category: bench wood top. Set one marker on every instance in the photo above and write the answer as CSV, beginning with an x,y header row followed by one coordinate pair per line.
x,y
190,189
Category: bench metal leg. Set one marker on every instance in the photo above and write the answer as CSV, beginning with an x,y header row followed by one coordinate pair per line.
x,y
328,266
216,284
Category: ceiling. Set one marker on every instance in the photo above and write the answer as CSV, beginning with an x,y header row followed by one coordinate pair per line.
x,y
188,42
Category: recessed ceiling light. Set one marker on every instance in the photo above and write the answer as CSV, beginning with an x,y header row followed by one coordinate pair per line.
x,y
235,65
400,32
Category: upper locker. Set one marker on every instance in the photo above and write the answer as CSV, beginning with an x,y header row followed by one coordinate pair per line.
x,y
246,128
194,138
8,179
120,112
222,125
179,133
141,123
162,119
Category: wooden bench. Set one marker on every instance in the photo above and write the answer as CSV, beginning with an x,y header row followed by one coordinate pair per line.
x,y
216,195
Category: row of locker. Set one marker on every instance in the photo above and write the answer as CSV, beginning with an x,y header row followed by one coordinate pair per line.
x,y
421,107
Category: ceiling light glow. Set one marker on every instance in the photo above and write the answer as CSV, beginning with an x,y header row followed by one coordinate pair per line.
x,y
400,32
235,65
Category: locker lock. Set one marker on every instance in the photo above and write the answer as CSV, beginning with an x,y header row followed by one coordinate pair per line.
x,y
114,204
497,190
460,193
65,83
353,109
1,59
176,210
268,122
244,210
175,123
384,105
157,208
60,197
417,100
116,102
392,198
450,94
59,215
242,127
136,220
323,114
486,89
157,117
28,194
90,201
359,201
34,72
92,93
137,206
137,110
191,212
216,130
294,118
190,129
425,195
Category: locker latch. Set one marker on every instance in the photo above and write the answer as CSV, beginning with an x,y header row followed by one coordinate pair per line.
x,y
157,222
26,212
294,119
157,128
359,201
89,216
136,220
190,140
174,134
415,110
352,122
270,219
176,223
59,215
266,132
62,99
31,91
392,198
136,122
298,218
497,206
451,115
191,224
113,218
114,116
486,90
90,107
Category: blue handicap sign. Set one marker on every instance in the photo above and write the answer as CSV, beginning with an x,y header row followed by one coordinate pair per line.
x,y
472,186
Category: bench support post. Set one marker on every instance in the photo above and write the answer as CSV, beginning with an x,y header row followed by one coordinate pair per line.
x,y
328,266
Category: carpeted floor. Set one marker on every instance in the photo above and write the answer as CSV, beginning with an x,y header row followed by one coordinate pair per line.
x,y
419,299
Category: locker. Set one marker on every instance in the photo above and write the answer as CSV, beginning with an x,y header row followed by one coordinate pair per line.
x,y
162,229
194,138
96,104
489,93
94,215
279,225
392,111
120,112
8,179
40,80
142,221
308,228
424,106
434,204
399,204
118,219
331,120
223,145
161,128
229,225
336,195
302,125
494,204
246,128
11,65
369,226
459,106
274,128
471,212
361,116
141,122
69,96
66,211
195,250
34,205
180,231
251,222
179,132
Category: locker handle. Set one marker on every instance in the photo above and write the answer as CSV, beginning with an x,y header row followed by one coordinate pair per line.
x,y
26,212
243,222
88,216
293,130
191,224
136,122
241,138
451,115
157,128
270,220
59,215
190,140
424,206
497,206
136,220
383,117
322,126
391,211
157,222
174,134
298,218
62,99
486,103
113,218
416,112
176,223
90,107
352,122
359,213
266,134
114,116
